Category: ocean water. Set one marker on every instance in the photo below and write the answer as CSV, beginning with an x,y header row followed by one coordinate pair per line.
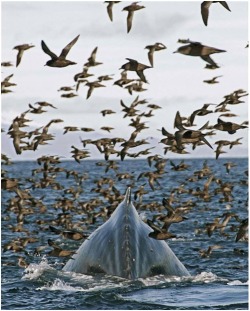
x,y
217,282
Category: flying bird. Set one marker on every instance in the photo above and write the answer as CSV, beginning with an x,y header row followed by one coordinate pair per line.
x,y
131,9
91,60
59,61
212,81
110,8
184,135
152,48
198,49
243,230
229,127
21,49
133,65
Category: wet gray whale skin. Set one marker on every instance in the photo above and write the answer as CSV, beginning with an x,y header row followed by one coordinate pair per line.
x,y
122,247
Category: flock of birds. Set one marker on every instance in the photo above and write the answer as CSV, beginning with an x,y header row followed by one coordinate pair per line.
x,y
69,204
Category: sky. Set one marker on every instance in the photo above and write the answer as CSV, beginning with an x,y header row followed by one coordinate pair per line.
x,y
175,82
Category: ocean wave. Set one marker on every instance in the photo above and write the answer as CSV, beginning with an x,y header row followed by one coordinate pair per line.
x,y
237,283
60,285
203,277
34,270
208,277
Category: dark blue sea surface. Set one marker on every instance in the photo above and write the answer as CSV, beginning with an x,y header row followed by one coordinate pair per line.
x,y
217,282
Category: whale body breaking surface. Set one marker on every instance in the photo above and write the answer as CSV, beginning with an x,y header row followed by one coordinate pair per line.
x,y
122,247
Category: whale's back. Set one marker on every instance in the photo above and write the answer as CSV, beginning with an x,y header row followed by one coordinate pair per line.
x,y
122,247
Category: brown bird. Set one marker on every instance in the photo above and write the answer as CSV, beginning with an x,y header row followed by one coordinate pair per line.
x,y
205,5
46,104
152,48
229,127
82,75
70,129
92,86
69,234
198,49
131,9
219,151
207,252
235,142
136,87
68,95
79,154
9,183
106,111
188,136
179,167
228,115
66,88
58,251
22,263
106,128
123,80
92,59
159,233
59,61
6,83
105,78
229,165
21,49
87,129
243,231
6,64
210,227
152,178
110,8
36,110
200,112
173,215
133,65
213,80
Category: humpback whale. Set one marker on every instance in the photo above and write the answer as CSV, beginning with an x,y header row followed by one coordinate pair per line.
x,y
122,247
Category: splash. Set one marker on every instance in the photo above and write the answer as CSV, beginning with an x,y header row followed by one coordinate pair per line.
x,y
60,285
237,283
208,277
34,271
203,277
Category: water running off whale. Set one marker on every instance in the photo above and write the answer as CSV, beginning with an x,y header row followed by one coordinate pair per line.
x,y
122,247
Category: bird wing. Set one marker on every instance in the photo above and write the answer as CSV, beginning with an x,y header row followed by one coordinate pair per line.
x,y
206,142
193,116
205,11
172,164
122,104
223,3
178,122
153,226
129,20
92,57
90,90
110,11
209,60
8,78
47,50
19,57
67,48
141,75
150,57
204,126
